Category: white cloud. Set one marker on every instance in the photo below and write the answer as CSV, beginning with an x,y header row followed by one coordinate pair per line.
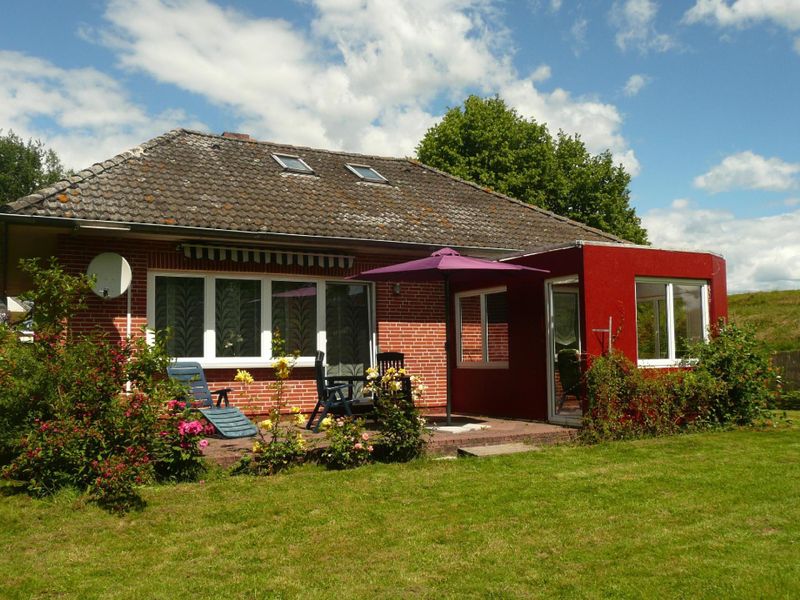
x,y
578,35
363,77
541,73
83,114
635,23
743,13
747,170
635,84
761,253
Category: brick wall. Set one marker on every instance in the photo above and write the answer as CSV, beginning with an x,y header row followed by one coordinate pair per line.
x,y
411,321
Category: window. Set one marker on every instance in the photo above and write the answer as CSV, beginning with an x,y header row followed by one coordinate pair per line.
x,y
227,320
292,163
670,317
367,173
482,328
179,306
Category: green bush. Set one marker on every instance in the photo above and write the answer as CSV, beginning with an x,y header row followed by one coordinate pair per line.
x,y
348,444
70,420
401,429
734,357
730,383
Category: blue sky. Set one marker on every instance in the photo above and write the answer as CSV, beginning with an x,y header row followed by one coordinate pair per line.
x,y
697,98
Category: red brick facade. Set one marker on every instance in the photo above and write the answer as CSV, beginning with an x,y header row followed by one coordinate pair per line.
x,y
411,321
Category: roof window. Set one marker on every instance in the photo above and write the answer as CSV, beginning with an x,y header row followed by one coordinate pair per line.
x,y
292,163
367,173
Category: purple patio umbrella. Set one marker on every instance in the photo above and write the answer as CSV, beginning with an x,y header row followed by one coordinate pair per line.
x,y
445,265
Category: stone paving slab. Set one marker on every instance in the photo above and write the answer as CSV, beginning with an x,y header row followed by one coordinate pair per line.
x,y
497,449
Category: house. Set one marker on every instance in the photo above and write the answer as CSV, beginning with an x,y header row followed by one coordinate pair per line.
x,y
231,239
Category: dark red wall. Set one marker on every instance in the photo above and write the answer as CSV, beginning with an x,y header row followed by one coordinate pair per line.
x,y
607,288
521,389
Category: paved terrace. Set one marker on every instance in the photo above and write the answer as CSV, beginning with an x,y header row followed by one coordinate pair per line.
x,y
465,431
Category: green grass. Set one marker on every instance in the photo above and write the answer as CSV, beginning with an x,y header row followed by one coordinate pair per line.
x,y
774,315
713,515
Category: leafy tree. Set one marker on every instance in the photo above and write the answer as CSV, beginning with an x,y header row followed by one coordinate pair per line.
x,y
26,166
487,142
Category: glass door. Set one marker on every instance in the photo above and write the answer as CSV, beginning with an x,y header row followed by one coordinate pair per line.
x,y
564,349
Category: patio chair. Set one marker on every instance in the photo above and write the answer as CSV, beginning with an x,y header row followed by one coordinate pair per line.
x,y
386,360
336,395
229,420
569,372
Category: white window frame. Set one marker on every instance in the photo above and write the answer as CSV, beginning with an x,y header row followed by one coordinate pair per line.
x,y
352,168
485,363
210,360
278,158
669,282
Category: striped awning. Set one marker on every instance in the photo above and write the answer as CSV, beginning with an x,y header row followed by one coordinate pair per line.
x,y
267,256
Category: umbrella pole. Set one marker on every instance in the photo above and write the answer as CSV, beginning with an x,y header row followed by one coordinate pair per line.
x,y
447,319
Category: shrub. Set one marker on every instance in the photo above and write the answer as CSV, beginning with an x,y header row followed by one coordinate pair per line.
x,y
179,444
75,424
730,382
734,357
401,429
348,444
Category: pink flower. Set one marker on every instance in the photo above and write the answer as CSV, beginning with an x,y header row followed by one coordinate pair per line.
x,y
203,444
369,448
190,428
358,446
365,436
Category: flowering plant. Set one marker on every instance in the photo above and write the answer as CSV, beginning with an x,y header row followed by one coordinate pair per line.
x,y
277,448
401,429
349,445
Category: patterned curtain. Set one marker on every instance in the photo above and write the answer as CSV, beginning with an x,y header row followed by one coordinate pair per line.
x,y
179,307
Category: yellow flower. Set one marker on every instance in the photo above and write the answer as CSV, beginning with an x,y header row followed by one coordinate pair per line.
x,y
243,377
257,447
326,422
295,409
300,420
266,424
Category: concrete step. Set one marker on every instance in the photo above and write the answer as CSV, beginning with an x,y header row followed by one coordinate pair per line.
x,y
497,449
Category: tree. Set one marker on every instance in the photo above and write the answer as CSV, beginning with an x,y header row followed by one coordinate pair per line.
x,y
26,166
488,143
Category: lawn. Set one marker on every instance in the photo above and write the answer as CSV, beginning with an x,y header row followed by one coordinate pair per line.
x,y
713,515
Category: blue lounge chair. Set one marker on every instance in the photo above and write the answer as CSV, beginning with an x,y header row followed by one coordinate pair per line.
x,y
229,420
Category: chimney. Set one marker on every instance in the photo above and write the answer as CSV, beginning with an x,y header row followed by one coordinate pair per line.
x,y
237,136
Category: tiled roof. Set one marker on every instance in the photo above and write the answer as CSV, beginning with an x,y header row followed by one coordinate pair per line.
x,y
190,179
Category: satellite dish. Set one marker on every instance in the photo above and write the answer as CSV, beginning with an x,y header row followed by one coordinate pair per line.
x,y
112,275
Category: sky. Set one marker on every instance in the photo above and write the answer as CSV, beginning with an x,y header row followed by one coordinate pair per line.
x,y
698,99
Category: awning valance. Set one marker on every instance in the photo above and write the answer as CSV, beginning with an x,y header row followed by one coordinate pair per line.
x,y
267,256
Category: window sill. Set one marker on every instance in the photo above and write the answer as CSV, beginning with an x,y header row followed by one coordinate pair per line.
x,y
667,363
245,363
482,365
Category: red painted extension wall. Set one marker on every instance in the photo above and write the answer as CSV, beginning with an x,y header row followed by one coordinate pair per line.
x,y
607,288
411,322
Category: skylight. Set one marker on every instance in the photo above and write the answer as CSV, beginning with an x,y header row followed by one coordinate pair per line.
x,y
367,173
292,163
